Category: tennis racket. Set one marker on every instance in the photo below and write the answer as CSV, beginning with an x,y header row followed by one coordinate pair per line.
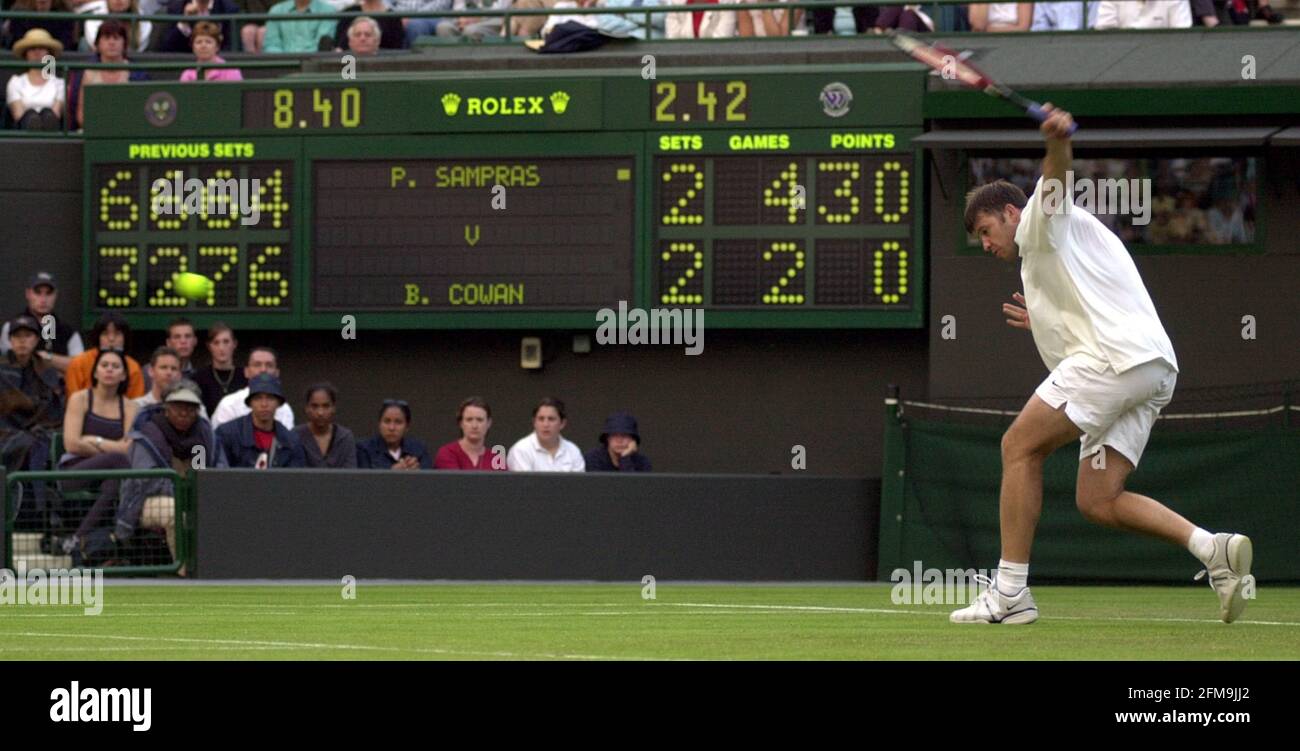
x,y
950,65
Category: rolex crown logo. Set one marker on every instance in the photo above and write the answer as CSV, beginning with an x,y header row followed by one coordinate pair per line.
x,y
450,103
559,101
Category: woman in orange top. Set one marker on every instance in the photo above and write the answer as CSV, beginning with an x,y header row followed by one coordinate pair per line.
x,y
111,331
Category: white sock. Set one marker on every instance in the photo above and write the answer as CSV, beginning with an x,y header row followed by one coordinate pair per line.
x,y
1012,577
1201,545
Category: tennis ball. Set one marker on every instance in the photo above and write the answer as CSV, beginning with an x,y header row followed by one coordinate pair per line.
x,y
192,286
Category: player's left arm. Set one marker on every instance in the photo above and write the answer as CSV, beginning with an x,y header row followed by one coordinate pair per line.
x,y
1060,154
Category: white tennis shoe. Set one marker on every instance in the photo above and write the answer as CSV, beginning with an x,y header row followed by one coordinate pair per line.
x,y
991,606
1229,570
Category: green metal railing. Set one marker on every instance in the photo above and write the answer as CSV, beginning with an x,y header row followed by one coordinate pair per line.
x,y
186,513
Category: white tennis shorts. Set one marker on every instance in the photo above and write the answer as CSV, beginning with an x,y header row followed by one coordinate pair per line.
x,y
1112,409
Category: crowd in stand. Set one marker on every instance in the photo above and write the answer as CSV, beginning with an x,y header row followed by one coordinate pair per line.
x,y
111,412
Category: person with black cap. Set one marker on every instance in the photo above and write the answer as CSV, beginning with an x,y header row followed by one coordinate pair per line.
x,y
619,449
42,294
257,439
31,399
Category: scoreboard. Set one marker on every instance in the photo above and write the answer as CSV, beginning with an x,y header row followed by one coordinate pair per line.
x,y
771,198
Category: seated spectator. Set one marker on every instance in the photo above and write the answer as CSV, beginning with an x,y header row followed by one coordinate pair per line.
x,y
111,41
34,102
96,421
299,36
473,27
470,452
172,438
206,39
905,17
767,23
165,364
528,26
64,30
252,33
1001,16
1263,12
257,440
390,34
392,448
182,337
138,31
1154,14
613,24
418,27
701,23
220,377
177,38
362,37
325,443
31,399
111,331
235,405
1063,16
618,451
545,449
42,295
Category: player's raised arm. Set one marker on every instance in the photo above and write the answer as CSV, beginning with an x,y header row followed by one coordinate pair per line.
x,y
1056,129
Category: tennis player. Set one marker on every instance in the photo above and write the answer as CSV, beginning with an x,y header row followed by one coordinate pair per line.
x,y
1112,371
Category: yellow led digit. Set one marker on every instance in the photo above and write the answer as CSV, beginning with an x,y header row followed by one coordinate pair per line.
x,y
125,257
888,168
792,260
694,176
350,108
880,277
786,191
257,276
846,207
226,258
706,98
668,91
323,105
283,108
160,298
740,89
691,276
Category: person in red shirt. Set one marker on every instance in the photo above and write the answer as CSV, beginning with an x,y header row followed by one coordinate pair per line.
x,y
471,452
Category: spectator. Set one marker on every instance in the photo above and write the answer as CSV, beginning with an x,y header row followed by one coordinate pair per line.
x,y
253,33
31,401
257,440
220,377
138,31
618,451
325,443
1153,14
1204,12
206,39
392,448
701,24
767,23
165,365
299,36
362,37
614,24
1063,16
262,360
182,337
173,437
111,41
177,38
390,34
545,449
95,424
64,30
529,26
42,294
471,452
418,27
111,331
1263,11
1001,16
35,102
473,27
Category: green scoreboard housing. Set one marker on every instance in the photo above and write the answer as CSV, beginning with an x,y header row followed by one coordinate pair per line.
x,y
774,198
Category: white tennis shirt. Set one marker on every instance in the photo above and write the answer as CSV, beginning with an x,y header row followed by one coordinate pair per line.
x,y
1083,292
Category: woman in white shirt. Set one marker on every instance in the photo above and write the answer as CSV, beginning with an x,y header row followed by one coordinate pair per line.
x,y
702,22
36,103
1001,16
140,30
544,449
768,22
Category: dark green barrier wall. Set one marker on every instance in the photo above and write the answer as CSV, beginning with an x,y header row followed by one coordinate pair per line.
x,y
1243,481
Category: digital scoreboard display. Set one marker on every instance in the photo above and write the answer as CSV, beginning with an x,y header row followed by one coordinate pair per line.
x,y
768,198
527,234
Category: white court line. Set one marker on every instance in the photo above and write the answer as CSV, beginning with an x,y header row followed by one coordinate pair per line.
x,y
324,645
818,608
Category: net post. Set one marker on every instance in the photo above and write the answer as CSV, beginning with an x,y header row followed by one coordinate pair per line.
x,y
890,551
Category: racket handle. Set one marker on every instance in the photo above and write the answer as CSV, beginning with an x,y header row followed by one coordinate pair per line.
x,y
1037,112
